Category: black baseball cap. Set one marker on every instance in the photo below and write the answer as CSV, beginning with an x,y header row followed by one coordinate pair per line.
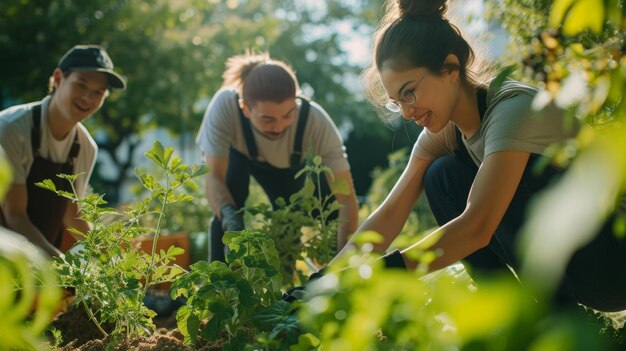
x,y
91,58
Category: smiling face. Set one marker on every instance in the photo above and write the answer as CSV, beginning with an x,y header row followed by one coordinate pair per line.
x,y
79,94
427,98
271,118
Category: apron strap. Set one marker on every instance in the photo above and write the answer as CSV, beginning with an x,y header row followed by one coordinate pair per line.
x,y
34,132
296,156
461,151
297,146
253,153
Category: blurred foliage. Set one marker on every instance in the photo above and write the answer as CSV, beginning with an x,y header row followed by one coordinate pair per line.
x,y
574,49
30,295
173,54
6,174
367,307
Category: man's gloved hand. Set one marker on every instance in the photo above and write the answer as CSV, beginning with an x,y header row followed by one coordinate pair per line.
x,y
297,292
232,220
394,259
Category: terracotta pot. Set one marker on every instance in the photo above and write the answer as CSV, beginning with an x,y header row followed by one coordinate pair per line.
x,y
164,242
67,240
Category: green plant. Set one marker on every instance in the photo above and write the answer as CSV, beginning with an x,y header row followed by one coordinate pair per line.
x,y
29,294
183,216
57,337
368,307
111,276
237,303
306,227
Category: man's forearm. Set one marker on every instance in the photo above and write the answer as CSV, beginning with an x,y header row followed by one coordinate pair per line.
x,y
348,219
72,219
218,194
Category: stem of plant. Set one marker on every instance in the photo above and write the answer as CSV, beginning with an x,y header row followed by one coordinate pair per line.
x,y
93,318
157,231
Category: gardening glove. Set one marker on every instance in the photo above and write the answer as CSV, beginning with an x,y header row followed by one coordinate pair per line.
x,y
232,220
394,259
297,292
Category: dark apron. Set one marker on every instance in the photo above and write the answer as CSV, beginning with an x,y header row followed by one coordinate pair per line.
x,y
595,275
276,182
45,208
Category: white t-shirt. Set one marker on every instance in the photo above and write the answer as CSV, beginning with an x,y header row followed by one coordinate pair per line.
x,y
221,129
15,137
509,124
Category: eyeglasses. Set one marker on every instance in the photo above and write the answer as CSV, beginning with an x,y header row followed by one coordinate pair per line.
x,y
408,97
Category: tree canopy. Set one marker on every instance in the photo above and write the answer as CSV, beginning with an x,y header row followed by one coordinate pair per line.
x,y
173,54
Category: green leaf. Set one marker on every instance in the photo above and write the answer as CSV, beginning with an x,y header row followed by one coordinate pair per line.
x,y
6,175
559,10
368,236
156,154
273,314
70,177
340,186
306,342
176,161
317,160
47,184
66,194
309,187
577,15
167,155
187,323
502,76
197,170
175,251
75,231
191,185
221,314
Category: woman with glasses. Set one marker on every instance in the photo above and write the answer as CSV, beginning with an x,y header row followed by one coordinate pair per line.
x,y
474,158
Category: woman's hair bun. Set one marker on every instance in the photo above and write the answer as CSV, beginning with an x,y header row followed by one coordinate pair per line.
x,y
422,7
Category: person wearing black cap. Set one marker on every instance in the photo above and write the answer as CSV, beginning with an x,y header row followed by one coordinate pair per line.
x,y
45,138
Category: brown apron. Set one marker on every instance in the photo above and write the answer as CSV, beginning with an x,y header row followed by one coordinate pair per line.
x,y
45,208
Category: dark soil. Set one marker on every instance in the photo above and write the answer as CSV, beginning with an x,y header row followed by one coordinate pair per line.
x,y
81,334
162,340
76,327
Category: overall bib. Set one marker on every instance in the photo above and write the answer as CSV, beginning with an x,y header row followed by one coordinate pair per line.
x,y
276,182
46,209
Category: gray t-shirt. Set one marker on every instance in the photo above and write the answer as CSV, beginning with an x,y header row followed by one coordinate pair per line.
x,y
221,129
509,124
